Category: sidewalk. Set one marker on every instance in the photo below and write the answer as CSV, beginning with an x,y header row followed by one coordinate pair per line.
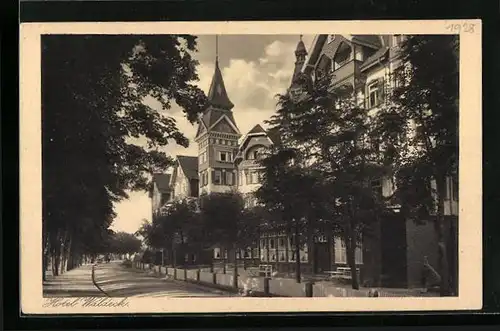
x,y
73,283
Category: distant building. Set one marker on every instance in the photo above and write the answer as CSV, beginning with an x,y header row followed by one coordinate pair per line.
x,y
184,181
161,192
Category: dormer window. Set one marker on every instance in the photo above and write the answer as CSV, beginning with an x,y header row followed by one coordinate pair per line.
x,y
331,37
342,56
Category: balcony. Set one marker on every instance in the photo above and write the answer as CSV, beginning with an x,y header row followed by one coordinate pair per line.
x,y
347,74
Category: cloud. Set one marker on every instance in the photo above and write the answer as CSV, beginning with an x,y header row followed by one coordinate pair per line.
x,y
252,82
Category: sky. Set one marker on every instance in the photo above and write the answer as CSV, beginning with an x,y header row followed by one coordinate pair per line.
x,y
255,69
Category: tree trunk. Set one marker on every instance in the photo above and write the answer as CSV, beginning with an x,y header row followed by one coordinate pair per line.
x,y
235,268
329,243
439,225
276,252
287,248
311,246
224,252
55,262
268,253
298,276
45,255
68,253
245,258
64,251
350,242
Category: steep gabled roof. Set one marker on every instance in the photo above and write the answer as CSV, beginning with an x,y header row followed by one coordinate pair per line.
x,y
274,135
189,165
162,182
374,57
219,103
217,95
257,129
367,39
212,115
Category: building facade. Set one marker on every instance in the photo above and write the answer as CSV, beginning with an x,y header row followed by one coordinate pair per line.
x,y
365,65
369,66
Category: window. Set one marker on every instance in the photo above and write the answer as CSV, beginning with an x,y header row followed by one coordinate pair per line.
x,y
203,157
225,156
255,177
282,256
271,241
331,37
255,253
374,94
341,252
398,77
229,178
282,242
217,177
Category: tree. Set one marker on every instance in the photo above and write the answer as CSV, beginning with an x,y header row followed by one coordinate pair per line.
x,y
288,192
329,128
93,101
180,225
125,243
222,216
419,126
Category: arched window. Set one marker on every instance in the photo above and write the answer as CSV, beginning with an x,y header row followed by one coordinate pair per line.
x,y
342,56
255,153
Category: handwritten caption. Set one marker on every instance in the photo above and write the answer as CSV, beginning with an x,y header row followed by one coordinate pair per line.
x,y
460,27
85,302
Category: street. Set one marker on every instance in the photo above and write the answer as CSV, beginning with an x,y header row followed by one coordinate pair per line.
x,y
118,281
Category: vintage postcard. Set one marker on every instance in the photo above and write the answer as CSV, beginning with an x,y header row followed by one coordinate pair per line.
x,y
250,167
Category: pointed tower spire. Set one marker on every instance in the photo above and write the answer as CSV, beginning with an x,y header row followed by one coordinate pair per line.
x,y
217,95
216,48
300,58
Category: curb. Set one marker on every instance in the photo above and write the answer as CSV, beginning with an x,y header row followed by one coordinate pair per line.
x,y
95,283
207,286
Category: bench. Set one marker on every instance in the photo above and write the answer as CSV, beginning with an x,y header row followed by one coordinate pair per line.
x,y
341,272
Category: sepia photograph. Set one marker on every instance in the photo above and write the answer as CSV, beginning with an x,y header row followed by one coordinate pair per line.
x,y
251,165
